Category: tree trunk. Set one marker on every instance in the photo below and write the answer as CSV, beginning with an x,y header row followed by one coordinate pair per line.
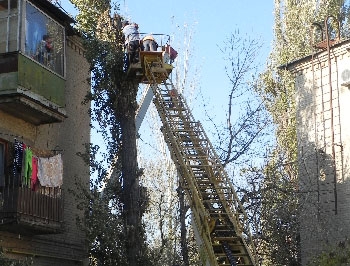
x,y
131,190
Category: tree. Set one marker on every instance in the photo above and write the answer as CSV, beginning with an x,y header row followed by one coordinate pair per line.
x,y
278,190
247,126
246,117
270,193
114,107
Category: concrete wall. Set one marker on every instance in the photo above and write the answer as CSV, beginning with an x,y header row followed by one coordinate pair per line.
x,y
69,138
323,133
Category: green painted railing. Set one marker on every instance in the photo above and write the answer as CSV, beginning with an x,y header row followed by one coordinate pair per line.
x,y
41,81
20,72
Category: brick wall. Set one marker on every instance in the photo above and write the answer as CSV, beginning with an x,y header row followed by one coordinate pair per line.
x,y
323,149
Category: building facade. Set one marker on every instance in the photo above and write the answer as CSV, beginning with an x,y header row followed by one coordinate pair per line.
x,y
322,83
44,78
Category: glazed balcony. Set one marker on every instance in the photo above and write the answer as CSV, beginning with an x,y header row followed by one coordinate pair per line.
x,y
32,60
27,212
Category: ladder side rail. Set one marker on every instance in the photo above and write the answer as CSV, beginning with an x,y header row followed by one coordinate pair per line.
x,y
236,222
182,158
178,157
199,212
211,153
231,202
222,175
201,218
172,138
223,192
190,188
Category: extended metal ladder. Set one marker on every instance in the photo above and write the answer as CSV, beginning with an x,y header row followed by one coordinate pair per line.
x,y
218,214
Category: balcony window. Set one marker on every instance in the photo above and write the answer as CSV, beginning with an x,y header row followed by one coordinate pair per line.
x,y
44,39
26,28
8,26
32,60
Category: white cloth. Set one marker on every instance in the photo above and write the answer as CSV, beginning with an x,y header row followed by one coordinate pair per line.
x,y
50,171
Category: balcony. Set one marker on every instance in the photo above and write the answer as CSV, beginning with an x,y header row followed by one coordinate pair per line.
x,y
27,212
30,91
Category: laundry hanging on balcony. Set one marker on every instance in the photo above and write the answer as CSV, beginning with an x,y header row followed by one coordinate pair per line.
x,y
27,167
30,170
19,148
50,171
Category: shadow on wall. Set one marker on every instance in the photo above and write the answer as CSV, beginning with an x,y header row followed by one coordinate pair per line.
x,y
324,189
324,199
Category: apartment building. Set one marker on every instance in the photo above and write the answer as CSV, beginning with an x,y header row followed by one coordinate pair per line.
x,y
43,125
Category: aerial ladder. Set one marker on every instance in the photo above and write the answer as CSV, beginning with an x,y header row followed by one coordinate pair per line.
x,y
218,217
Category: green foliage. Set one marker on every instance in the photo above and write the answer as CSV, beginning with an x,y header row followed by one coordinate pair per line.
x,y
277,90
89,13
279,215
337,256
111,219
8,262
293,26
102,218
103,225
103,41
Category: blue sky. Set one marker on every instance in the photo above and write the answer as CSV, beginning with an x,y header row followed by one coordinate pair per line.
x,y
211,23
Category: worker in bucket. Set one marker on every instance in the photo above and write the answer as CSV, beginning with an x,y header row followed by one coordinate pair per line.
x,y
149,43
132,41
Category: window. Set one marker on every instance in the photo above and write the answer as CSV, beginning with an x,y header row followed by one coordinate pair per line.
x,y
38,36
44,39
8,26
4,4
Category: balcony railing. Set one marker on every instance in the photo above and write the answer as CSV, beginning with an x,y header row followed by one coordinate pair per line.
x,y
29,212
30,91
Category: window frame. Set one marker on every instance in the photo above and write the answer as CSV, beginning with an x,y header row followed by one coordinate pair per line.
x,y
24,37
9,13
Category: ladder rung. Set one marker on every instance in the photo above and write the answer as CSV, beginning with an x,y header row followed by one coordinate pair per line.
x,y
158,70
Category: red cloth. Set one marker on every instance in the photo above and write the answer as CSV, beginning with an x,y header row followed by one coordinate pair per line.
x,y
34,178
171,51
